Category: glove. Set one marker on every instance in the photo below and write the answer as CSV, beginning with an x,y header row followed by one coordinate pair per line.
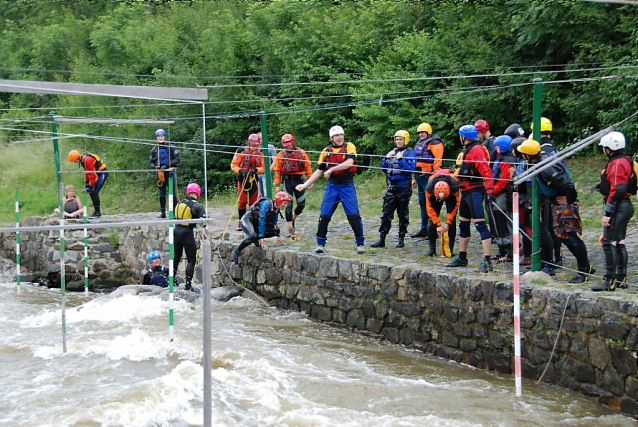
x,y
490,199
88,188
242,172
253,171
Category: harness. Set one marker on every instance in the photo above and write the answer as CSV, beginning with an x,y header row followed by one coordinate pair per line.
x,y
250,161
468,171
293,162
333,159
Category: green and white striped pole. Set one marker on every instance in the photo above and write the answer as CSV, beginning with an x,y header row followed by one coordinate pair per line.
x,y
171,275
17,241
86,253
62,272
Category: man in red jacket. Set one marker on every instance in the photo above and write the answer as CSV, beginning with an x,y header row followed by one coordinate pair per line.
x,y
477,185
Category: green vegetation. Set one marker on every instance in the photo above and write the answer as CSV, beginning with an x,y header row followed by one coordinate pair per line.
x,y
372,67
114,237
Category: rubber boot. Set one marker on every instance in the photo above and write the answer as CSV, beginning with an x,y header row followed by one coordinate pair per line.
x,y
379,243
400,243
432,250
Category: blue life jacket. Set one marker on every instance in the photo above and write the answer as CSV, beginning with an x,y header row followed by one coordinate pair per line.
x,y
158,277
163,156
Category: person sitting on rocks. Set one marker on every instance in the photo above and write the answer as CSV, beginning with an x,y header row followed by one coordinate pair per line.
x,y
260,222
157,274
73,208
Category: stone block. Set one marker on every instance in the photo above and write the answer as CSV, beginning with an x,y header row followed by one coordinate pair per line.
x,y
577,370
404,308
467,345
434,305
449,340
629,406
374,325
356,319
444,286
613,329
504,291
487,315
450,312
379,272
477,360
588,308
391,334
503,363
346,304
329,267
406,336
624,361
612,382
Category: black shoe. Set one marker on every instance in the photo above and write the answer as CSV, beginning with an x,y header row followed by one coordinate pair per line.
x,y
431,251
607,285
162,215
458,262
421,233
379,243
400,243
95,215
234,257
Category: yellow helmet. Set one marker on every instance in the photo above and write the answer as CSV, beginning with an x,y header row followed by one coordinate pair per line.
x,y
546,125
530,147
74,155
424,127
405,134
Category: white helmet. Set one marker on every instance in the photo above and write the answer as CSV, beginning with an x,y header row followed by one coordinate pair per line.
x,y
613,140
336,130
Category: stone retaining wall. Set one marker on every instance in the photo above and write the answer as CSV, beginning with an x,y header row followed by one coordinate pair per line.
x,y
469,320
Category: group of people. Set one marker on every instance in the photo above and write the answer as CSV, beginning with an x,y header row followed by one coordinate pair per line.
x,y
478,190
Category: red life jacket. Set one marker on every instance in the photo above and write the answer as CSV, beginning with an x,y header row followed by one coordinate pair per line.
x,y
250,161
333,159
293,162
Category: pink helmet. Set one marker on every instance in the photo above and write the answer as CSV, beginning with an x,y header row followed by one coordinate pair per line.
x,y
193,188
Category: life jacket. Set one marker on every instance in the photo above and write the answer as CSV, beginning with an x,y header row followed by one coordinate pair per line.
x,y
163,155
393,167
271,215
468,171
333,159
632,184
249,160
183,210
544,186
99,164
422,149
293,162
157,278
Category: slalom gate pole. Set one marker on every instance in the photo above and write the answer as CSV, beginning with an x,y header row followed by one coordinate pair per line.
x,y
208,362
171,272
17,209
86,253
517,296
62,272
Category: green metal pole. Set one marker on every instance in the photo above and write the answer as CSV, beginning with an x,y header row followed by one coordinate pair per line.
x,y
171,255
62,274
17,207
536,199
56,155
264,144
86,254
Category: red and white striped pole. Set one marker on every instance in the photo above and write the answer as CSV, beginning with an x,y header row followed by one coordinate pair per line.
x,y
517,297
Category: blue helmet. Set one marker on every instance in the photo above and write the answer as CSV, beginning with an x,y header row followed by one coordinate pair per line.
x,y
160,132
152,256
503,142
468,131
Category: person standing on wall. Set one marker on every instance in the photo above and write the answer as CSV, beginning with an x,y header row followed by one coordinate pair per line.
x,y
429,157
442,189
618,183
247,163
289,167
95,177
476,183
164,158
260,222
398,165
337,164
557,185
184,235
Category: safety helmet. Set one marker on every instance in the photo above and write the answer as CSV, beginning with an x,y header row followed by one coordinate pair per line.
x,y
482,126
514,130
405,134
468,131
503,142
441,190
336,130
516,142
546,125
287,140
193,188
254,140
613,140
282,197
160,132
424,127
530,147
74,155
152,256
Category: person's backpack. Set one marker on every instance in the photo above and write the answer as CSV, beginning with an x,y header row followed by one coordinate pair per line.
x,y
183,211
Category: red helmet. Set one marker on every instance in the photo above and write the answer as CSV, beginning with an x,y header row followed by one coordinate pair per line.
x,y
288,141
282,197
482,126
254,140
441,190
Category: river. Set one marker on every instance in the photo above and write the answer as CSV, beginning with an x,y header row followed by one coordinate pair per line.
x,y
270,368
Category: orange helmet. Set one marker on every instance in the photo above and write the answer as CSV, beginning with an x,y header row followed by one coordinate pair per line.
x,y
441,190
287,141
254,140
282,197
74,155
